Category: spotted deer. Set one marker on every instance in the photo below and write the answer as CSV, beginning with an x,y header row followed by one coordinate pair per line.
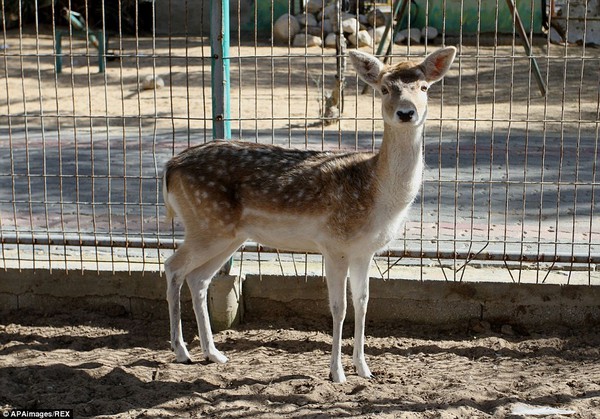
x,y
345,205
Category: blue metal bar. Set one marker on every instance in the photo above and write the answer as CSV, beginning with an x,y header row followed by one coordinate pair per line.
x,y
219,79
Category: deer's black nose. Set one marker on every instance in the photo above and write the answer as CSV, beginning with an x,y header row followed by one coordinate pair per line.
x,y
405,116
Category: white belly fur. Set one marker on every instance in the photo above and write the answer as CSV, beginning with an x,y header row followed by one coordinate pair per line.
x,y
310,233
295,232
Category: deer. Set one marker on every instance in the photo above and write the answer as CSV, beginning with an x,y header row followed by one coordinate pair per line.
x,y
345,205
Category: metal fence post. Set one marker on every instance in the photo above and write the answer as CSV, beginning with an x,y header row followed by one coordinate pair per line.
x,y
219,49
219,79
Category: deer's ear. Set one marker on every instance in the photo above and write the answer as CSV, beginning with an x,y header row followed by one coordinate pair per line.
x,y
437,64
368,67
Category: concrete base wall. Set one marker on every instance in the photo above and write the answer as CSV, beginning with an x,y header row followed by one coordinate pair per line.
x,y
139,294
433,302
438,303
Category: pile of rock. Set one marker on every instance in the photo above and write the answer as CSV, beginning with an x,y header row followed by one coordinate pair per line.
x,y
315,27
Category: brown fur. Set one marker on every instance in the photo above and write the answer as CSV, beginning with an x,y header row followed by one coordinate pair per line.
x,y
237,175
406,71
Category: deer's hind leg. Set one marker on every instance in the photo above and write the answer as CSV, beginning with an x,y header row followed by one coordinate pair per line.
x,y
175,275
197,264
198,280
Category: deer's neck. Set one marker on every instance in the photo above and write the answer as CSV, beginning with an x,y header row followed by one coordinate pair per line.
x,y
399,167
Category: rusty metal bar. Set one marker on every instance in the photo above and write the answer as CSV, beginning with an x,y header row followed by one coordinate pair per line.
x,y
169,243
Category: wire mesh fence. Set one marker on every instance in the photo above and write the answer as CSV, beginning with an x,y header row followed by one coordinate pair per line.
x,y
511,173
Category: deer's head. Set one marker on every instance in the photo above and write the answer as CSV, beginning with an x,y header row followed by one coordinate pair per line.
x,y
403,87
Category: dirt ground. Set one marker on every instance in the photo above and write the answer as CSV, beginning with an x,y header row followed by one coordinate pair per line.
x,y
100,365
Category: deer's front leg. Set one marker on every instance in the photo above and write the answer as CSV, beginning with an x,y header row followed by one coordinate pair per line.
x,y
336,269
359,284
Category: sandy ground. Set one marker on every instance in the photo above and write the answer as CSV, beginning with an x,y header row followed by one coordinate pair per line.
x,y
99,365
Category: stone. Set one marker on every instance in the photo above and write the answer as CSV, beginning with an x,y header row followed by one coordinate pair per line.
x,y
151,82
326,25
329,13
361,39
303,40
314,6
350,25
377,33
429,33
330,40
347,15
306,19
401,37
414,34
313,30
376,17
285,28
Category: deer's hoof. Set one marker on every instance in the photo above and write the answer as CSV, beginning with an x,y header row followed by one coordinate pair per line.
x,y
217,357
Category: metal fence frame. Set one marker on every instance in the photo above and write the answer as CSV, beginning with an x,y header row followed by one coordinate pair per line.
x,y
570,196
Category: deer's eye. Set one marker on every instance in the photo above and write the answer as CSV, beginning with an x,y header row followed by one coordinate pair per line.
x,y
384,91
424,88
